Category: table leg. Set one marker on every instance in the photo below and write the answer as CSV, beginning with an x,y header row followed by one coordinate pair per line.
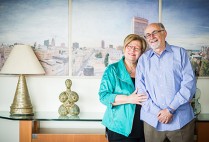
x,y
25,131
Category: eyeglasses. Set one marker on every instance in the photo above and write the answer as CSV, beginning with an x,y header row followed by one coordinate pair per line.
x,y
148,36
133,47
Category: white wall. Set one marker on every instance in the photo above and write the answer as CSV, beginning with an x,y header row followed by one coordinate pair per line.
x,y
44,93
9,131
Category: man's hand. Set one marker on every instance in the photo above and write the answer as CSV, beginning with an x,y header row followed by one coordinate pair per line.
x,y
164,116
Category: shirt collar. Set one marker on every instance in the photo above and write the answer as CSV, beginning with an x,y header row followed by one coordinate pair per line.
x,y
167,49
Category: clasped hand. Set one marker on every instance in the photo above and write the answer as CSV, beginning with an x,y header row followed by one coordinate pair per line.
x,y
164,116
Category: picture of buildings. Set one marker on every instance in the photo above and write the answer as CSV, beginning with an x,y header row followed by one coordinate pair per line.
x,y
97,40
43,25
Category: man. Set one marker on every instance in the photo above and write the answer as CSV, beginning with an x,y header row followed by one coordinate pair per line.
x,y
164,73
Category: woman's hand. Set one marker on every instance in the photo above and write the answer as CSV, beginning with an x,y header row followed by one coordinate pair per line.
x,y
135,98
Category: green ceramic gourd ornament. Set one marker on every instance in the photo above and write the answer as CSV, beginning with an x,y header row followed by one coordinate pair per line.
x,y
68,98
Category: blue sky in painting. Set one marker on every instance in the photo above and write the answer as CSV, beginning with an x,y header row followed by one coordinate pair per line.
x,y
187,22
108,20
30,21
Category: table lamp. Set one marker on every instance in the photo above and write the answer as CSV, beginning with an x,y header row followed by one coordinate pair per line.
x,y
22,61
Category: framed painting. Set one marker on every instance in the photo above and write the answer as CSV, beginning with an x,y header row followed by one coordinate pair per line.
x,y
42,24
99,27
188,28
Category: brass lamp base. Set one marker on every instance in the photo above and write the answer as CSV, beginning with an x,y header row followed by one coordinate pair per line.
x,y
21,112
21,103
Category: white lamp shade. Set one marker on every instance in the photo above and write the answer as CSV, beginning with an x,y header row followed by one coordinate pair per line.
x,y
22,60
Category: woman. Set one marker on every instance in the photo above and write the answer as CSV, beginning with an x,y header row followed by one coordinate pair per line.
x,y
117,92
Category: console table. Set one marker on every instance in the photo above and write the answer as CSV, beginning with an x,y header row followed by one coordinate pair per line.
x,y
30,130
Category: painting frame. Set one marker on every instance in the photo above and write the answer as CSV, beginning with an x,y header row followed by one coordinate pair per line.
x,y
70,5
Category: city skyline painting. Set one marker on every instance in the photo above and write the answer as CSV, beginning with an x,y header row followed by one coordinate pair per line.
x,y
99,28
186,22
44,25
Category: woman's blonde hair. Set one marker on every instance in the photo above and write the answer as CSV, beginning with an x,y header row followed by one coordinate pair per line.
x,y
132,37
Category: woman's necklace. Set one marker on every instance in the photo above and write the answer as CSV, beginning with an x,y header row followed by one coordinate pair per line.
x,y
130,72
132,67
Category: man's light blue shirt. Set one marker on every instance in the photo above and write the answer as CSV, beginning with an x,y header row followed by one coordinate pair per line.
x,y
169,81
